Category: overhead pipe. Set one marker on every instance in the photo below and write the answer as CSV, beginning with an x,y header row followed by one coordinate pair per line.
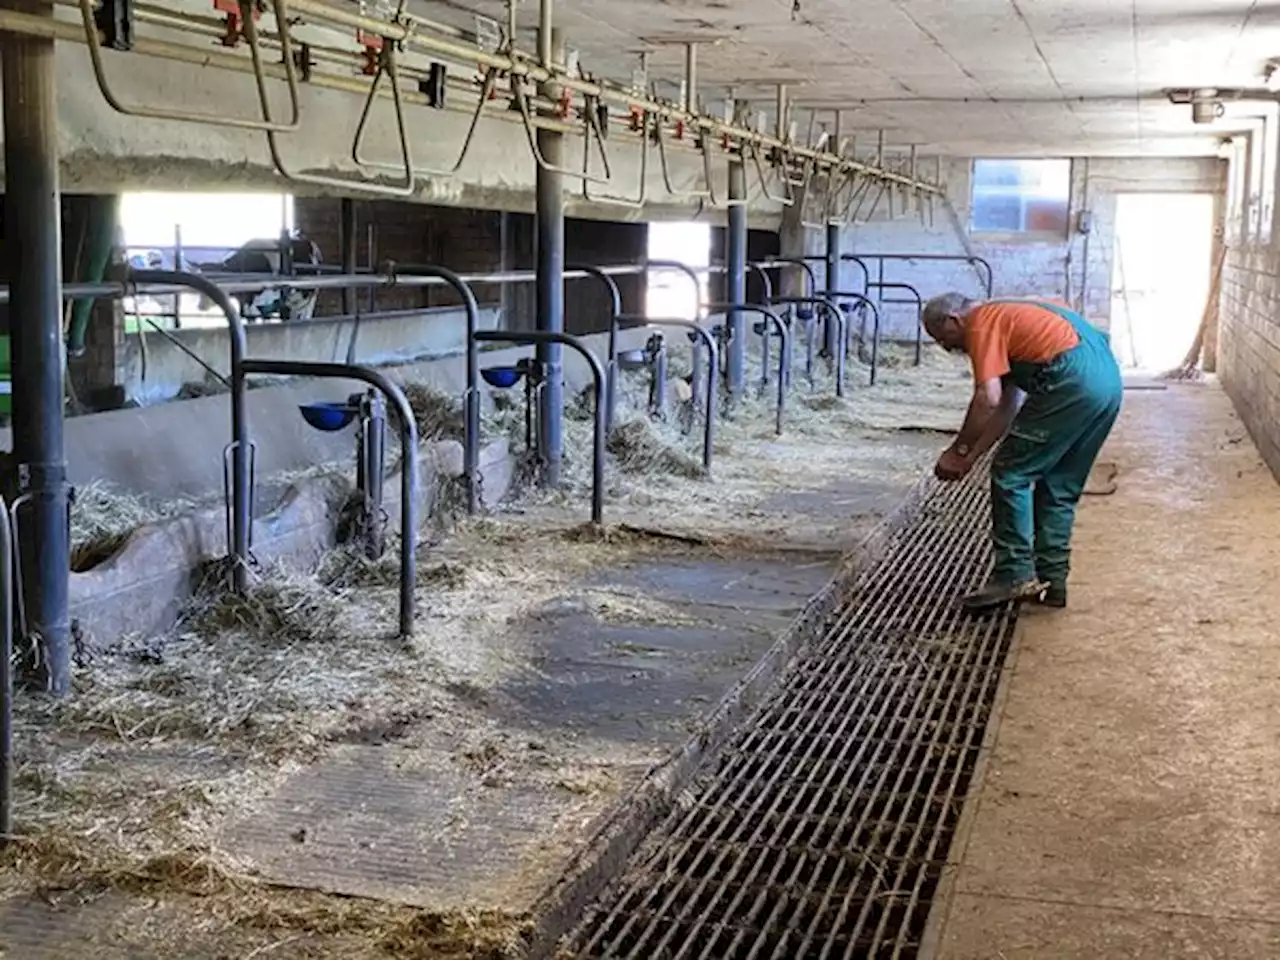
x,y
535,337
412,34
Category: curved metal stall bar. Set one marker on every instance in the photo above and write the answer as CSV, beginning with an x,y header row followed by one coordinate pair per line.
x,y
615,313
862,265
875,325
688,271
778,263
408,459
713,368
784,335
534,337
470,402
760,271
94,43
917,300
838,318
980,264
6,679
240,452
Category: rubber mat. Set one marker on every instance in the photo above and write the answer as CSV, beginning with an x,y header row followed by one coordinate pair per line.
x,y
822,829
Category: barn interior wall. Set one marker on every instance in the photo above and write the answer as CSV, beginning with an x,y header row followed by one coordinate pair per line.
x,y
1073,267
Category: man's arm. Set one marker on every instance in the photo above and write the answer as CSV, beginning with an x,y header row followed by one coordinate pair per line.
x,y
988,399
1001,419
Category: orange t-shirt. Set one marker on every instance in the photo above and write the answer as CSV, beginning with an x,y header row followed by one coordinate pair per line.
x,y
995,334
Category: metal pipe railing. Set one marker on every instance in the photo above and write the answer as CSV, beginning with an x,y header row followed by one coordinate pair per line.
x,y
615,312
919,305
535,337
239,453
408,459
713,369
778,263
836,316
784,335
866,301
981,265
688,271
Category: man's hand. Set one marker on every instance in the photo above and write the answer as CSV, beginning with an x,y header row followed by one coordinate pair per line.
x,y
951,466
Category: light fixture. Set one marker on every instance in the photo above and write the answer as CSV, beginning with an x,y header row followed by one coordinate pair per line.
x,y
1271,73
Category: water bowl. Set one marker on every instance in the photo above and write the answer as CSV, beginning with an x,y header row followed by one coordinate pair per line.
x,y
328,416
501,377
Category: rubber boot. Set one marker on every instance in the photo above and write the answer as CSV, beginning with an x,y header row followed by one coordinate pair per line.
x,y
1055,595
998,593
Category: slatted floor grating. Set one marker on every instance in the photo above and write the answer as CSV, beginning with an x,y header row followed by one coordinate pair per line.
x,y
823,827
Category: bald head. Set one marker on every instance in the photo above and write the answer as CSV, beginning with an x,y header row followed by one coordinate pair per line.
x,y
944,319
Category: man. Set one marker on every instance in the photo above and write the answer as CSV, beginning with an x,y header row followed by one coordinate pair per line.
x,y
1047,378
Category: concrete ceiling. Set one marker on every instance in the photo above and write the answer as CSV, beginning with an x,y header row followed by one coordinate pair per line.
x,y
1024,77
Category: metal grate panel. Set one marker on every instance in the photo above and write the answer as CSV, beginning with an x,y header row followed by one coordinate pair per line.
x,y
823,828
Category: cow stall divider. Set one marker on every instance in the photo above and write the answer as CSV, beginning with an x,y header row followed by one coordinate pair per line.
x,y
915,300
600,428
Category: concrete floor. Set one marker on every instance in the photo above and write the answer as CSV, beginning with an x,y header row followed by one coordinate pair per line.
x,y
1131,799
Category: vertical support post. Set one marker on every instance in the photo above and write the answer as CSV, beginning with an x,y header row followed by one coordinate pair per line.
x,y
736,278
33,267
550,280
350,242
829,340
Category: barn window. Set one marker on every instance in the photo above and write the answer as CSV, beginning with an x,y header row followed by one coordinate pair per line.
x,y
1020,196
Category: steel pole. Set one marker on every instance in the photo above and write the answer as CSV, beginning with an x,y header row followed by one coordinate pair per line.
x,y
736,292
33,248
829,345
550,282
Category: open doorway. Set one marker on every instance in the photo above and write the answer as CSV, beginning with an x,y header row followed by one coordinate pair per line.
x,y
1160,276
670,293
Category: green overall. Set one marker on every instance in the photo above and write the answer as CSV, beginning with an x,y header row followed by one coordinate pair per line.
x,y
1039,472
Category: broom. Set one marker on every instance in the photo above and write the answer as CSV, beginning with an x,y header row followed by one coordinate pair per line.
x,y
1189,369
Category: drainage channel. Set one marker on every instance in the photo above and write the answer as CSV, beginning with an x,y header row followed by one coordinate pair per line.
x,y
822,829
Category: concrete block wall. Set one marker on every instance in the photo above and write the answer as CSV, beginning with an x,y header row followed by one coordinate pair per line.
x,y
1075,267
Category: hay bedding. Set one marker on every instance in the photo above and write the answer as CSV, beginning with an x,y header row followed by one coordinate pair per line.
x,y
124,785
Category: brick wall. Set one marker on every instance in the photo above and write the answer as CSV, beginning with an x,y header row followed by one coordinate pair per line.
x,y
1075,268
478,241
1249,343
